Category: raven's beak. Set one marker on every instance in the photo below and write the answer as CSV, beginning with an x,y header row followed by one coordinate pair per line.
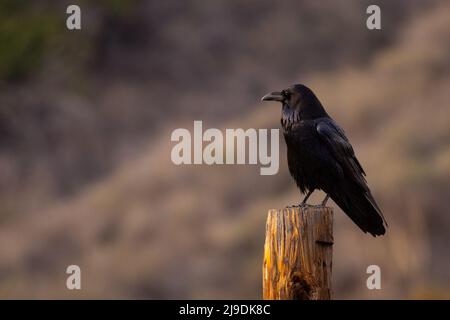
x,y
274,96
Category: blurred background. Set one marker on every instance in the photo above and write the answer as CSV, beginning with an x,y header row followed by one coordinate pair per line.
x,y
85,123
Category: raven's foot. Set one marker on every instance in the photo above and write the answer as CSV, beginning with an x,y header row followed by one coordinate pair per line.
x,y
299,205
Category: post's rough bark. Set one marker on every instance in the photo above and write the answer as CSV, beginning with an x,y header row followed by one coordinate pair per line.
x,y
298,254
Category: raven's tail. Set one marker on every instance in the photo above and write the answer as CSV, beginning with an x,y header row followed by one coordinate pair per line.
x,y
361,207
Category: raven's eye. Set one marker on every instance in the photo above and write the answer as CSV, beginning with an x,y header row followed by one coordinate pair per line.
x,y
286,94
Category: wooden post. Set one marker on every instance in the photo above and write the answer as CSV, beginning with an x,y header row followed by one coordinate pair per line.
x,y
298,254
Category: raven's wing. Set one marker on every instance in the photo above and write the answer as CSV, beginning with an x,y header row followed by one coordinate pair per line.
x,y
353,194
341,149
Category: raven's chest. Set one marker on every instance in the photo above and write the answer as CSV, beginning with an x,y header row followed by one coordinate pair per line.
x,y
303,154
302,140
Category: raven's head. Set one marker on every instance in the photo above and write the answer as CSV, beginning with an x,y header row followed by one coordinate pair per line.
x,y
299,103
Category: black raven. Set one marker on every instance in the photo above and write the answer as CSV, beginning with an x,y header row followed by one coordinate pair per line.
x,y
321,157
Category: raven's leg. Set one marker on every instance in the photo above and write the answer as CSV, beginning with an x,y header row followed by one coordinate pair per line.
x,y
306,198
303,203
324,202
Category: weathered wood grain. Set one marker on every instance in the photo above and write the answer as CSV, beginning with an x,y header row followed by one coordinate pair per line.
x,y
298,254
